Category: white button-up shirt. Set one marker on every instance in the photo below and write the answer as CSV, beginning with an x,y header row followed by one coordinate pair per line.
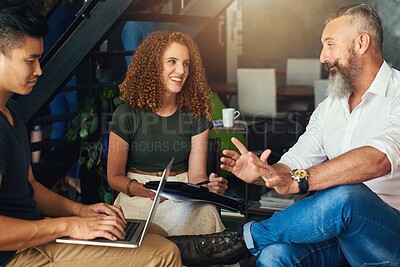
x,y
375,122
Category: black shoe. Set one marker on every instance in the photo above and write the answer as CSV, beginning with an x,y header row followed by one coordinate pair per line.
x,y
227,247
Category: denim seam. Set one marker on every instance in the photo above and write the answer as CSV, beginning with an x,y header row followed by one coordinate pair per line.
x,y
334,223
377,224
318,235
313,251
358,216
383,263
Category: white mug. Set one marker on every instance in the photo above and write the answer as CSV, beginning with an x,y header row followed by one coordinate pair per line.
x,y
228,116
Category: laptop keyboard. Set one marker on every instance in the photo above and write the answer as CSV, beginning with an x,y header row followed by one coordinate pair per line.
x,y
130,229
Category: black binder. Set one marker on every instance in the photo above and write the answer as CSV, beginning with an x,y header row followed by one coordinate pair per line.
x,y
191,192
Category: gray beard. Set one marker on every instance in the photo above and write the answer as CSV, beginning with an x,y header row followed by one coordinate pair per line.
x,y
339,86
341,83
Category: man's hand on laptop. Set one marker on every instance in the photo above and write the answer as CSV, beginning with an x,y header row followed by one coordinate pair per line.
x,y
91,227
99,220
101,209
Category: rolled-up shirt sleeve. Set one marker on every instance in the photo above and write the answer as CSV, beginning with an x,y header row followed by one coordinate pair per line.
x,y
387,140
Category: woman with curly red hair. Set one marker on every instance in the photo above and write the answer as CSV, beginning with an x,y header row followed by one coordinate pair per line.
x,y
167,112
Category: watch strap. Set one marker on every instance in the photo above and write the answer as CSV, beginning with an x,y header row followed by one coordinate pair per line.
x,y
303,186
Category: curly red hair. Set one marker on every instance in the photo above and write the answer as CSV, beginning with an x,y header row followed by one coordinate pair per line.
x,y
141,87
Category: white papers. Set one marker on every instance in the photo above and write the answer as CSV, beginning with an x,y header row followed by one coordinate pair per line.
x,y
181,198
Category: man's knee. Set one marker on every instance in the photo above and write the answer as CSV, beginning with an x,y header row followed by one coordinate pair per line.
x,y
284,254
346,196
156,229
174,254
279,254
161,251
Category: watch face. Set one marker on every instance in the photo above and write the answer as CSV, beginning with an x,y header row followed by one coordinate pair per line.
x,y
301,173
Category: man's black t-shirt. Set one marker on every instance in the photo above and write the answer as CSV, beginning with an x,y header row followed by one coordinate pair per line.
x,y
16,193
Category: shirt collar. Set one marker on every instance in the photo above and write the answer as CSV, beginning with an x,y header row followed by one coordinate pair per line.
x,y
379,85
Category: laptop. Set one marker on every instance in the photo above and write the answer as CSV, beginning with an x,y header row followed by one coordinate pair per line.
x,y
135,229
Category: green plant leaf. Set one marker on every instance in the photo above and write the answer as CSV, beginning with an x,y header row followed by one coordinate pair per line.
x,y
90,122
89,164
72,134
94,154
83,133
107,93
93,125
82,161
117,101
87,129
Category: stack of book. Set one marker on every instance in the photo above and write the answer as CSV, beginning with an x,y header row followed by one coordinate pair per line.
x,y
274,201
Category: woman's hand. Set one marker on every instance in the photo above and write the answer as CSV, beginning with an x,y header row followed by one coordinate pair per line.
x,y
217,184
139,190
162,199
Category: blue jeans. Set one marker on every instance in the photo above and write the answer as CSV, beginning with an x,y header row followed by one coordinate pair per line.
x,y
341,223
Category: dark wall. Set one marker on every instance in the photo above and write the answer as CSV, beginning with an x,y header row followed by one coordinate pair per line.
x,y
275,30
389,12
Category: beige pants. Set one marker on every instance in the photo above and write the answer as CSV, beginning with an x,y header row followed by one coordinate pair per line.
x,y
155,250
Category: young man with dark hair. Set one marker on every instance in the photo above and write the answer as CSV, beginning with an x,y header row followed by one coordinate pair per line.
x,y
31,216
